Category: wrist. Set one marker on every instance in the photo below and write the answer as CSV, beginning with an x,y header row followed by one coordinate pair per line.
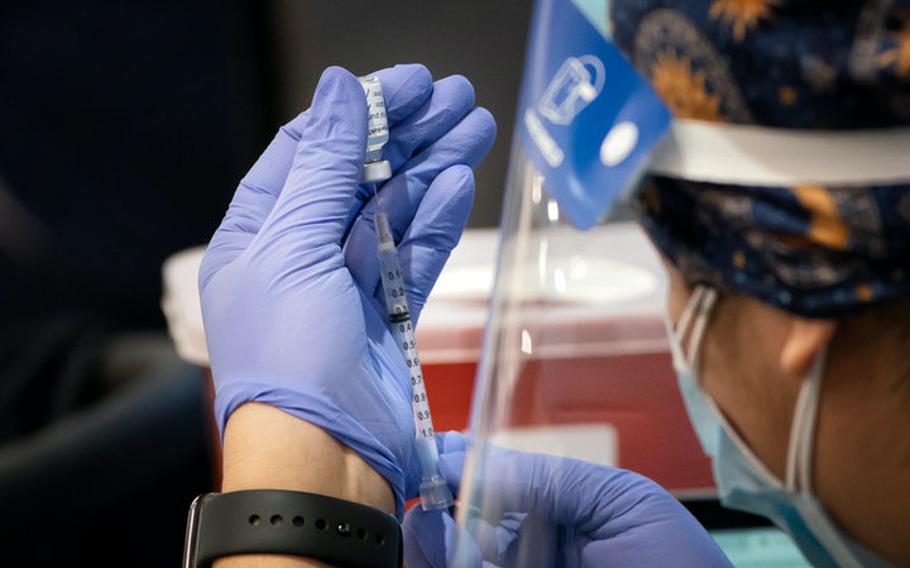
x,y
266,448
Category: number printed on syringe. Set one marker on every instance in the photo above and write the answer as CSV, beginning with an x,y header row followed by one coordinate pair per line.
x,y
403,332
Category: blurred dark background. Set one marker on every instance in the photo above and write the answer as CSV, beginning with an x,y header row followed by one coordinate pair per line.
x,y
125,128
482,40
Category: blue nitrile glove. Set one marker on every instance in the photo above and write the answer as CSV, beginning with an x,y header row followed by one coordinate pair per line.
x,y
294,316
602,516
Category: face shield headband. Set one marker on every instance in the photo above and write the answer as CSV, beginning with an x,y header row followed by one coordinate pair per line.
x,y
763,211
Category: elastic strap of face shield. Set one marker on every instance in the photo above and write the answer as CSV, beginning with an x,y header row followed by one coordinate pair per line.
x,y
750,155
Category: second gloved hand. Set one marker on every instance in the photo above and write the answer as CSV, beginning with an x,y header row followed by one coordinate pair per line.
x,y
592,515
293,312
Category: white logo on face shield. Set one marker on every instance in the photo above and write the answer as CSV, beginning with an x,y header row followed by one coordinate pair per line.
x,y
618,143
577,83
548,147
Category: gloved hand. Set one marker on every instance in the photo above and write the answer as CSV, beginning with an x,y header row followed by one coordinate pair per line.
x,y
293,311
599,516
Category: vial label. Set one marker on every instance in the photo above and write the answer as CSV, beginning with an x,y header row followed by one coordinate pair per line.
x,y
377,122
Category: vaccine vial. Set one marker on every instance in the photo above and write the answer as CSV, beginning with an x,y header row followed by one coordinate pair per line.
x,y
375,169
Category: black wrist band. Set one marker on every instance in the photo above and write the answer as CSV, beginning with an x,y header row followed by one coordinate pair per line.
x,y
271,521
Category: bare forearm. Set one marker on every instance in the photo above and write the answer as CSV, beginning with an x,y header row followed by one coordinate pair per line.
x,y
265,448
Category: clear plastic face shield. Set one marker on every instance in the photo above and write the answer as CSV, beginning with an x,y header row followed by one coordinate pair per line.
x,y
575,360
576,373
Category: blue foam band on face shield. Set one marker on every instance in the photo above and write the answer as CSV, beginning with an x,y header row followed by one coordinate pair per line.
x,y
586,118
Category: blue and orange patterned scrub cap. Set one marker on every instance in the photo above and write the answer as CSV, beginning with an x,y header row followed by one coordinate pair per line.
x,y
813,250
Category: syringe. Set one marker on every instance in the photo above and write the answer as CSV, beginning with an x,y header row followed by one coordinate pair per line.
x,y
434,491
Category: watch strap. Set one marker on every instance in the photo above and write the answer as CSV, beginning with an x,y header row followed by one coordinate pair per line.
x,y
272,521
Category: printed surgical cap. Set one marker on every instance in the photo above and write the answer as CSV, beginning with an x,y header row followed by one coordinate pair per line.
x,y
811,250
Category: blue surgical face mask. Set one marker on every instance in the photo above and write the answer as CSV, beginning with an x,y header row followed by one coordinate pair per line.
x,y
743,482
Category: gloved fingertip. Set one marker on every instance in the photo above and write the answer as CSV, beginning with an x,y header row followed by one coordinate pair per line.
x,y
338,92
460,89
412,66
425,537
336,121
453,441
464,183
335,73
485,537
462,174
406,89
451,466
416,73
450,197
417,84
474,136
486,126
440,219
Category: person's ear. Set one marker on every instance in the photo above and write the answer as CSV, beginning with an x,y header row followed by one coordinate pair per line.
x,y
804,340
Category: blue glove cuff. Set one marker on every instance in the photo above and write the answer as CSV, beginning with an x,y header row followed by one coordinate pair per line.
x,y
320,411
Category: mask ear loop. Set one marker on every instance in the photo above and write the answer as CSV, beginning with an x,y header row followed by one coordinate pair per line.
x,y
708,299
802,447
685,320
802,431
683,325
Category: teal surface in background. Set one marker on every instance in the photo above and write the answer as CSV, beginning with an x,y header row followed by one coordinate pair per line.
x,y
596,12
764,547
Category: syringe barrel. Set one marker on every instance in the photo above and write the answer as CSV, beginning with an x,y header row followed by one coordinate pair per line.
x,y
428,455
392,281
434,491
